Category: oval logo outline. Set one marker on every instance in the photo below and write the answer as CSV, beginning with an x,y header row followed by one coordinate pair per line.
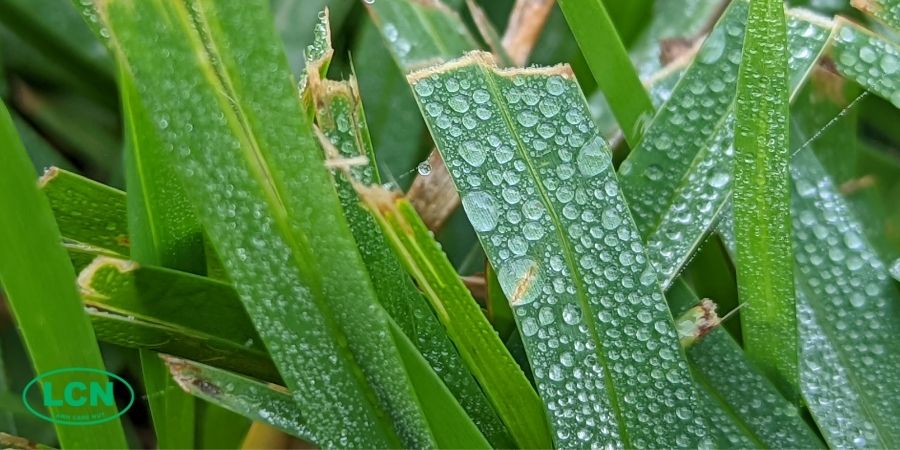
x,y
34,381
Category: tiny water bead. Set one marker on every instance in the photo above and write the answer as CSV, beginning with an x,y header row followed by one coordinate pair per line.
x,y
424,168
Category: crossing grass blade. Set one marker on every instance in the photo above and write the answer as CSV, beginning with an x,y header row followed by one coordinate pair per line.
x,y
39,284
895,270
173,312
765,269
742,396
529,164
498,374
846,383
696,182
342,120
602,48
871,60
246,155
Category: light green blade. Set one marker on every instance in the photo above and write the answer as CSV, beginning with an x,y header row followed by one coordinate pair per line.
x,y
871,60
39,284
763,262
538,186
602,48
245,153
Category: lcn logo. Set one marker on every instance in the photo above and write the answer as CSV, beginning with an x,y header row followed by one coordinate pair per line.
x,y
78,396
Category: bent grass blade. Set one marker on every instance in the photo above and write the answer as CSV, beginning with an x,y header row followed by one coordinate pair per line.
x,y
871,60
538,186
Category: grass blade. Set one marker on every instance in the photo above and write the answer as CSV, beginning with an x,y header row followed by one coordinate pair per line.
x,y
765,269
36,273
246,155
488,360
888,11
529,164
602,48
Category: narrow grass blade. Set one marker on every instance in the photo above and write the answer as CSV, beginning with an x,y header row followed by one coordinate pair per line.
x,y
888,11
183,314
39,284
696,182
765,269
530,166
341,118
263,402
245,153
871,60
42,154
741,391
602,48
498,374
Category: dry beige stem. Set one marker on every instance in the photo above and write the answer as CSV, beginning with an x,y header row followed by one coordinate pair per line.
x,y
525,25
477,285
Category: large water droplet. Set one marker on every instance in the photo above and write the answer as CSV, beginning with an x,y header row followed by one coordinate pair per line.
x,y
520,280
592,158
481,209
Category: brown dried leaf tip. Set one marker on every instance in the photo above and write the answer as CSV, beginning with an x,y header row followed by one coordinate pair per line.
x,y
697,322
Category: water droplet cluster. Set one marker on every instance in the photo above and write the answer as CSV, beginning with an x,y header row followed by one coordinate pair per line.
x,y
871,61
538,186
421,33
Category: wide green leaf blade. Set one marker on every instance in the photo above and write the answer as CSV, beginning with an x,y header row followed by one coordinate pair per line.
x,y
488,360
531,167
40,290
765,269
244,151
602,48
888,11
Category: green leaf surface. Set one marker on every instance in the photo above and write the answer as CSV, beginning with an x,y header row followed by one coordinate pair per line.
x,y
602,48
172,312
530,167
39,284
696,181
503,382
888,11
341,118
895,270
762,218
245,153
743,396
871,60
